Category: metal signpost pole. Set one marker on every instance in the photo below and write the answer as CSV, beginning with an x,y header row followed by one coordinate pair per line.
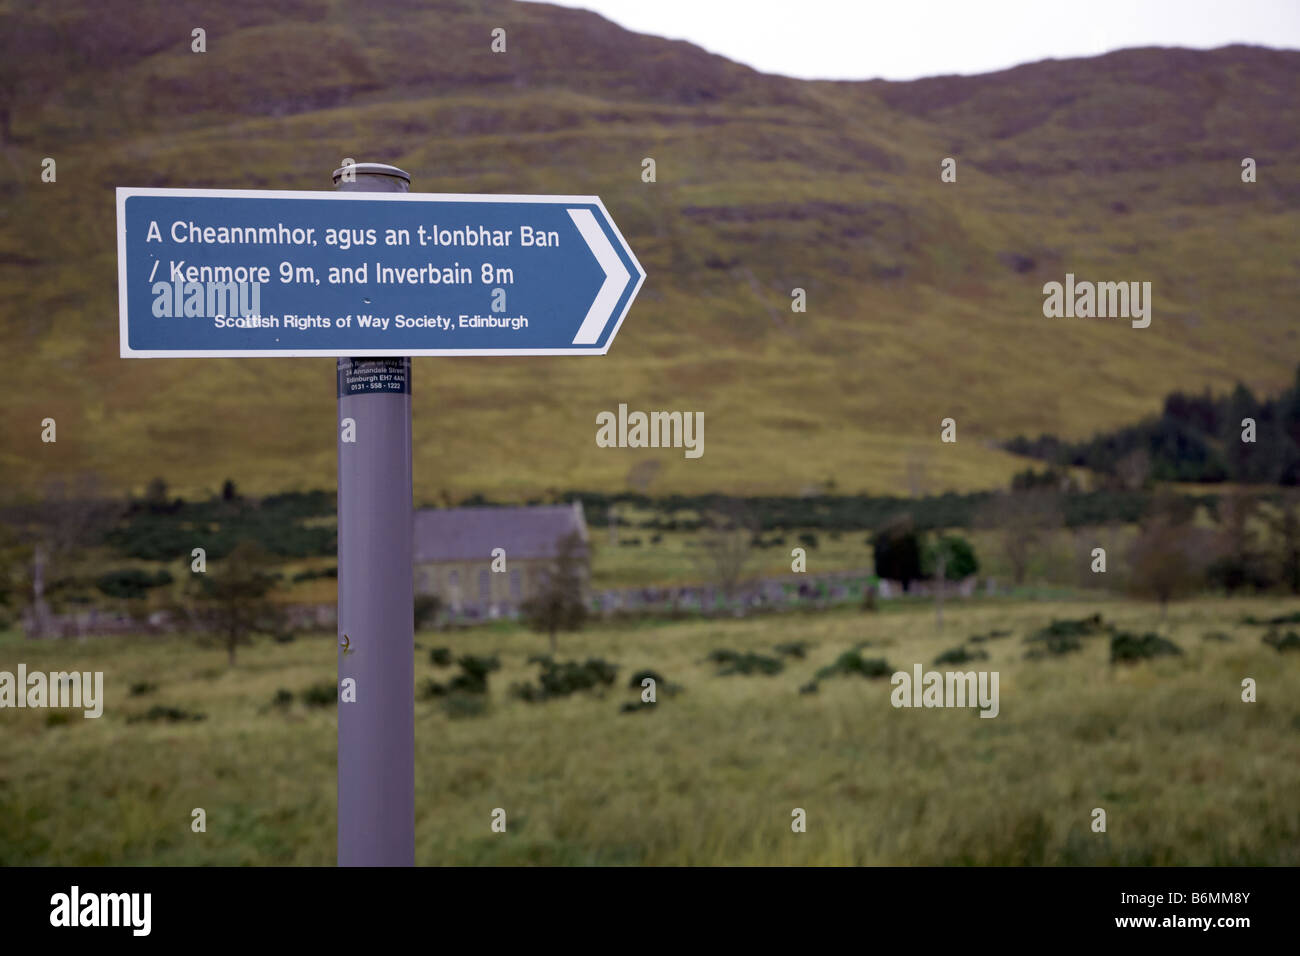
x,y
376,762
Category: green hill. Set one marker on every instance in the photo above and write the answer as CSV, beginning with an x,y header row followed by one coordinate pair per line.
x,y
924,298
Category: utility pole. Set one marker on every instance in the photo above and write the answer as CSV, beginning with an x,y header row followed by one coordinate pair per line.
x,y
376,759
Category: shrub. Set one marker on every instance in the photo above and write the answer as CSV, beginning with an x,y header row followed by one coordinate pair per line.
x,y
560,679
172,715
282,698
1081,627
959,558
1280,619
461,706
792,649
732,662
312,575
896,549
959,655
1288,642
476,669
852,662
990,636
1062,637
427,607
634,682
1053,645
140,688
131,583
1130,647
321,695
440,657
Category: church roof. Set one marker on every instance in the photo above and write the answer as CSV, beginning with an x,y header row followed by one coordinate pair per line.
x,y
470,534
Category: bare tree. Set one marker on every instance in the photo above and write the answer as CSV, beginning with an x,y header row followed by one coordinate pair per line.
x,y
56,528
1023,523
1170,555
1133,470
560,603
233,599
726,546
1238,561
642,475
1285,527
917,473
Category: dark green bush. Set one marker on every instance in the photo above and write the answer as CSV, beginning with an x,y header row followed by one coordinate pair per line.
x,y
732,662
461,706
959,558
440,657
562,678
793,649
1293,618
131,583
427,607
1080,627
1128,647
852,663
321,695
471,681
1288,642
312,575
282,698
170,714
1063,636
1053,645
140,688
959,655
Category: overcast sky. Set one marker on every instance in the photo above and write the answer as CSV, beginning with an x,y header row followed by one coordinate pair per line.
x,y
905,39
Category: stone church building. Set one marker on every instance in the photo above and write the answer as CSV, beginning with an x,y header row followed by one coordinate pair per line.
x,y
453,554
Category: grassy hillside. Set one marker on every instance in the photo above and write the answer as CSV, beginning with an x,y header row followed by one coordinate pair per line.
x,y
924,298
1186,772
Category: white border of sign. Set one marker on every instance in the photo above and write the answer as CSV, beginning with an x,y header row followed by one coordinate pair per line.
x,y
125,192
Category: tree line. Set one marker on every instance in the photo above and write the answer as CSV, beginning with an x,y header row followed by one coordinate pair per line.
x,y
1198,438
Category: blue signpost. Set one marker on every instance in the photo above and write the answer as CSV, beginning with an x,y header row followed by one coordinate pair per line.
x,y
235,272
371,274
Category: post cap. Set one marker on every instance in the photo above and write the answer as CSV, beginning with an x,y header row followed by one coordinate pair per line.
x,y
373,169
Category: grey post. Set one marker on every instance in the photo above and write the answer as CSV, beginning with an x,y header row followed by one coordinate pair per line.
x,y
376,769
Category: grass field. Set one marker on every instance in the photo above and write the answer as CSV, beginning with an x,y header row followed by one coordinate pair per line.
x,y
1187,772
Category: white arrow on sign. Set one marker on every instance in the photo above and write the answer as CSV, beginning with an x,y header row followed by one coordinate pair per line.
x,y
616,277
